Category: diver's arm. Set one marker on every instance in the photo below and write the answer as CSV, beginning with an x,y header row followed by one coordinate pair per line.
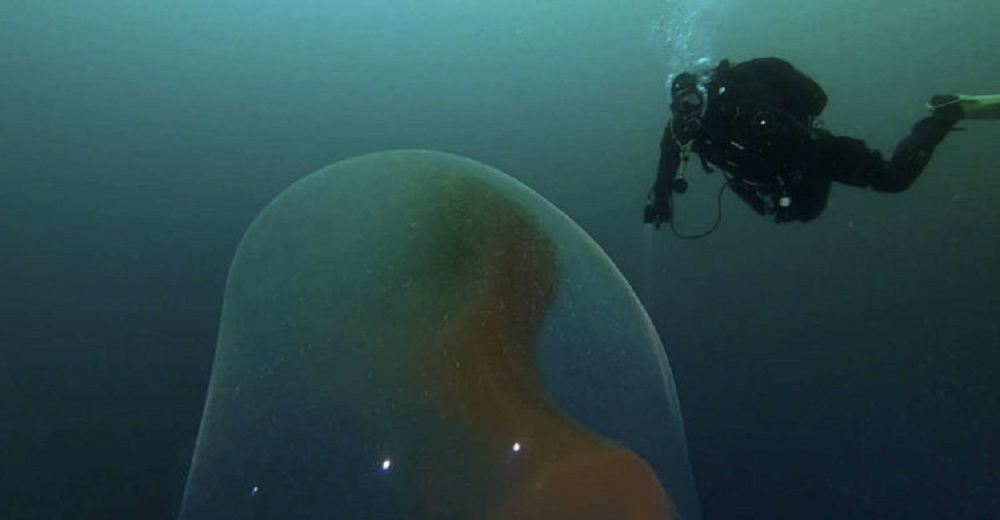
x,y
658,208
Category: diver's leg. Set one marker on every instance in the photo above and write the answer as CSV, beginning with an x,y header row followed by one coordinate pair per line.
x,y
914,152
850,161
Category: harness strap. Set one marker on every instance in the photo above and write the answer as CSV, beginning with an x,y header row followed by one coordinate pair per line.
x,y
684,153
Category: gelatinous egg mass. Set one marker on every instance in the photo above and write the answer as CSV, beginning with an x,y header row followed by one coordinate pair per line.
x,y
416,335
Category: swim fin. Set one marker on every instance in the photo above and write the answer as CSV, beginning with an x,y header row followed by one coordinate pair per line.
x,y
972,107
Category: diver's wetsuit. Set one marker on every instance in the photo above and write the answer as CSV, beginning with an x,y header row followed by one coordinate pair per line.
x,y
757,125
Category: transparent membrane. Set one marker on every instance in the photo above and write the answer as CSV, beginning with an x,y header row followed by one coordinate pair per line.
x,y
413,334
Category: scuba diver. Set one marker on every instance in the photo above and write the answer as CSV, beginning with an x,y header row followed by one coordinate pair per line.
x,y
757,121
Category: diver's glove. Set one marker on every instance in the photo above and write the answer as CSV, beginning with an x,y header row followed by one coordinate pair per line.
x,y
657,210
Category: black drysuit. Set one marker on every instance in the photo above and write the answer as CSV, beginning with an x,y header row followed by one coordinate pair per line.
x,y
758,125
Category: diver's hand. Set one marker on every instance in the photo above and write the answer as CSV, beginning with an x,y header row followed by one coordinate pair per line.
x,y
657,210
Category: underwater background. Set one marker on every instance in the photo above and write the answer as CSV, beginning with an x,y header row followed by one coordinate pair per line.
x,y
845,368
